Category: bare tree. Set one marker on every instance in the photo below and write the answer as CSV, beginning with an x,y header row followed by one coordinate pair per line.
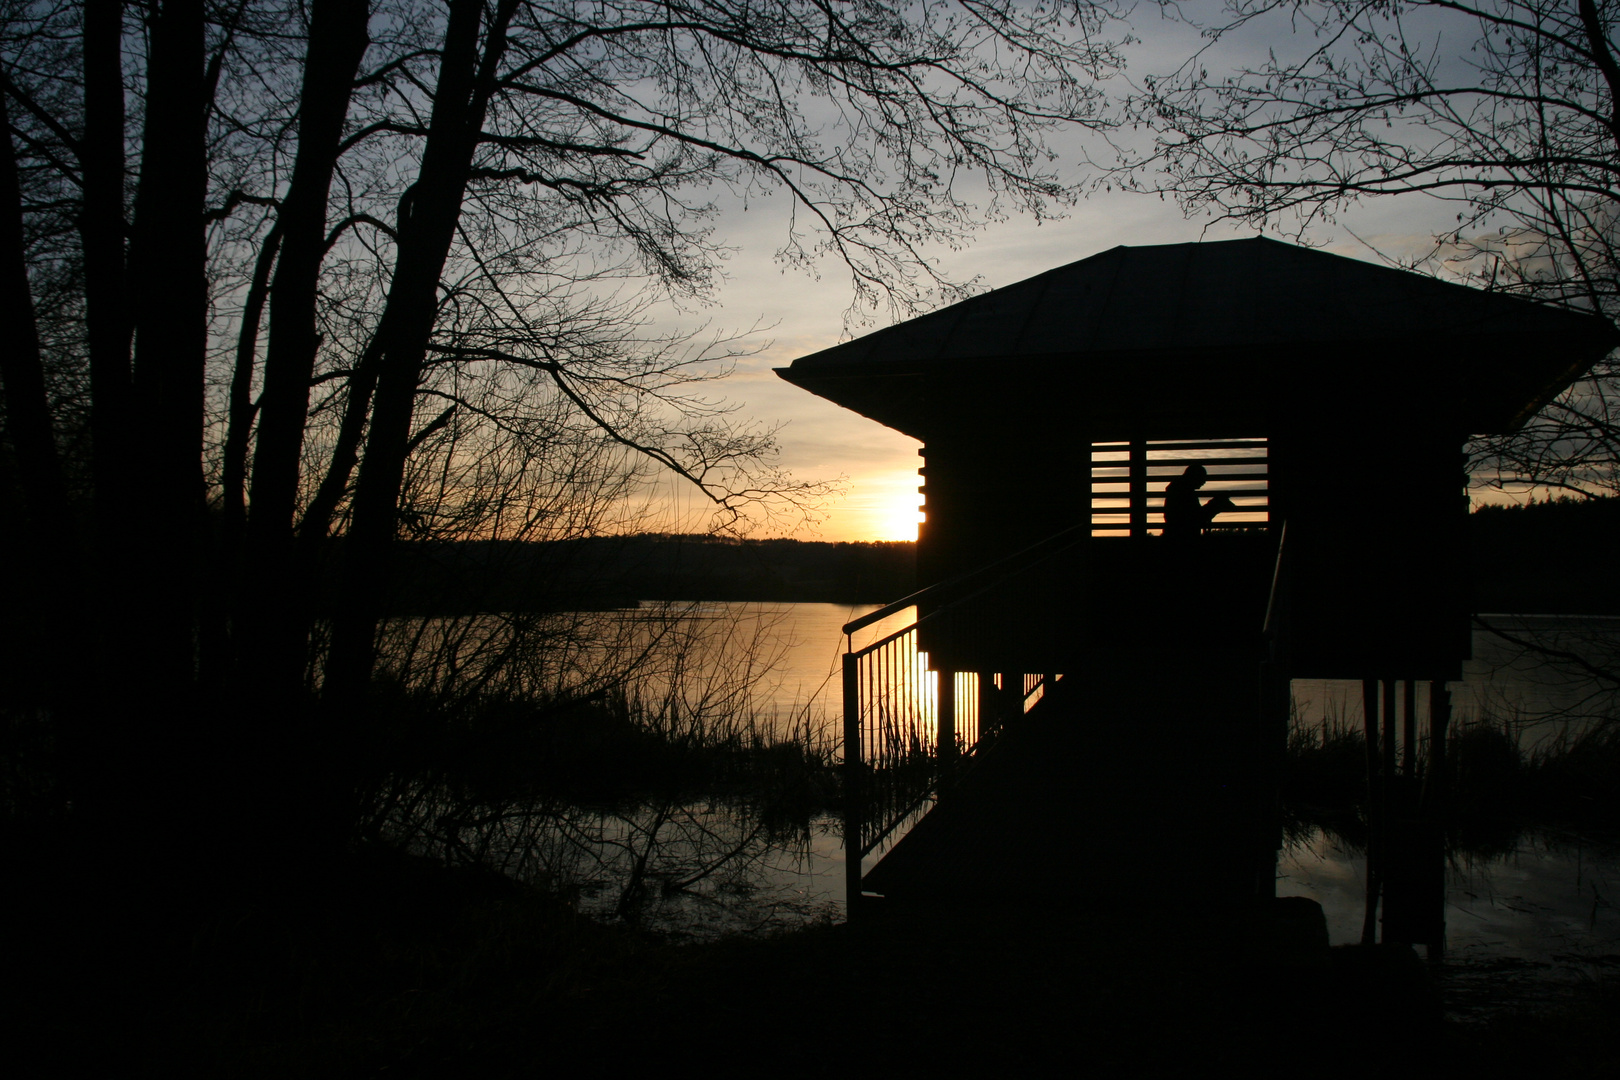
x,y
1508,111
419,206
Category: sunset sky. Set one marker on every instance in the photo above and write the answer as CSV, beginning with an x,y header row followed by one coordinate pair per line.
x,y
820,440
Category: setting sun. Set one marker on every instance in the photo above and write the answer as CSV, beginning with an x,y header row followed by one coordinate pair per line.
x,y
900,521
884,506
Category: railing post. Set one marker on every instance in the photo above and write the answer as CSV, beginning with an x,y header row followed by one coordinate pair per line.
x,y
854,786
989,714
1012,696
946,719
1138,487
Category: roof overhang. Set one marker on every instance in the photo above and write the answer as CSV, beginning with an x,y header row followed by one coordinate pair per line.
x,y
1211,340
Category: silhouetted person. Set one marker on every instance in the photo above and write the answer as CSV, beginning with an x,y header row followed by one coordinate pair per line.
x,y
1184,516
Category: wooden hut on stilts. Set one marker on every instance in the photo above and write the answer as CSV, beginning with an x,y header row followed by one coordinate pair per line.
x,y
1327,399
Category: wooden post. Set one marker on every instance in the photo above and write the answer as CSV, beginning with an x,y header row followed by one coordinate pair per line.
x,y
1409,730
1271,751
1012,696
989,714
1369,707
1389,729
854,787
1434,780
1433,802
946,717
1272,747
1138,476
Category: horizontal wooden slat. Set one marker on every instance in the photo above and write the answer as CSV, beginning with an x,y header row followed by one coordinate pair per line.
x,y
1156,515
1208,462
1170,472
1107,489
1119,514
1155,497
1247,526
1103,491
1206,444
1156,522
1183,444
1159,481
1179,465
1097,534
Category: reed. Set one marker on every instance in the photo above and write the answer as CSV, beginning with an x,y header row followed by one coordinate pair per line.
x,y
1501,774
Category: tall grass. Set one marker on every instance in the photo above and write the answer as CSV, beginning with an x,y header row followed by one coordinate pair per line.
x,y
1324,781
1498,777
615,793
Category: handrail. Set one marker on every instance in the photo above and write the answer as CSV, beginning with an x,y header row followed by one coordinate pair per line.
x,y
1269,626
1079,532
909,729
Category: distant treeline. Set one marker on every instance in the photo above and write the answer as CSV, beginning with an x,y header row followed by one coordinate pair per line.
x,y
616,571
1557,557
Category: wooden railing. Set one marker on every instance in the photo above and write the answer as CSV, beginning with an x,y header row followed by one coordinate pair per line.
x,y
909,728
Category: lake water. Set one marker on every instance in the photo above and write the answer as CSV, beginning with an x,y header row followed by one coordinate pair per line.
x,y
797,654
797,649
689,870
1534,696
1523,926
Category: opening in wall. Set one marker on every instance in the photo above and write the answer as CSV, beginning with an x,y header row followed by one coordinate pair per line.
x,y
1128,479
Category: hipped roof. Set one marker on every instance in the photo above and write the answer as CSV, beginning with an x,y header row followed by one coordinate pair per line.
x,y
1252,315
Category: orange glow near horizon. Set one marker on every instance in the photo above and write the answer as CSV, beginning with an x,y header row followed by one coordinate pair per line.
x,y
879,506
900,523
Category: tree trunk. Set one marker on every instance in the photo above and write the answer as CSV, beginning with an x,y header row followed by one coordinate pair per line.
x,y
337,42
101,229
223,594
239,404
38,547
274,644
28,410
153,720
428,215
318,518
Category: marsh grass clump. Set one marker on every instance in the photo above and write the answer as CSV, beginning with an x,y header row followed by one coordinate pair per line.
x,y
1497,778
1576,778
635,797
1484,776
1499,771
1326,763
1324,780
603,749
30,767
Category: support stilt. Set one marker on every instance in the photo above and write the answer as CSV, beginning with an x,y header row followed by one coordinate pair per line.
x,y
1369,706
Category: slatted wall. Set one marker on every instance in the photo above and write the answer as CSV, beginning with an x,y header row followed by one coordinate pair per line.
x,y
1128,481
